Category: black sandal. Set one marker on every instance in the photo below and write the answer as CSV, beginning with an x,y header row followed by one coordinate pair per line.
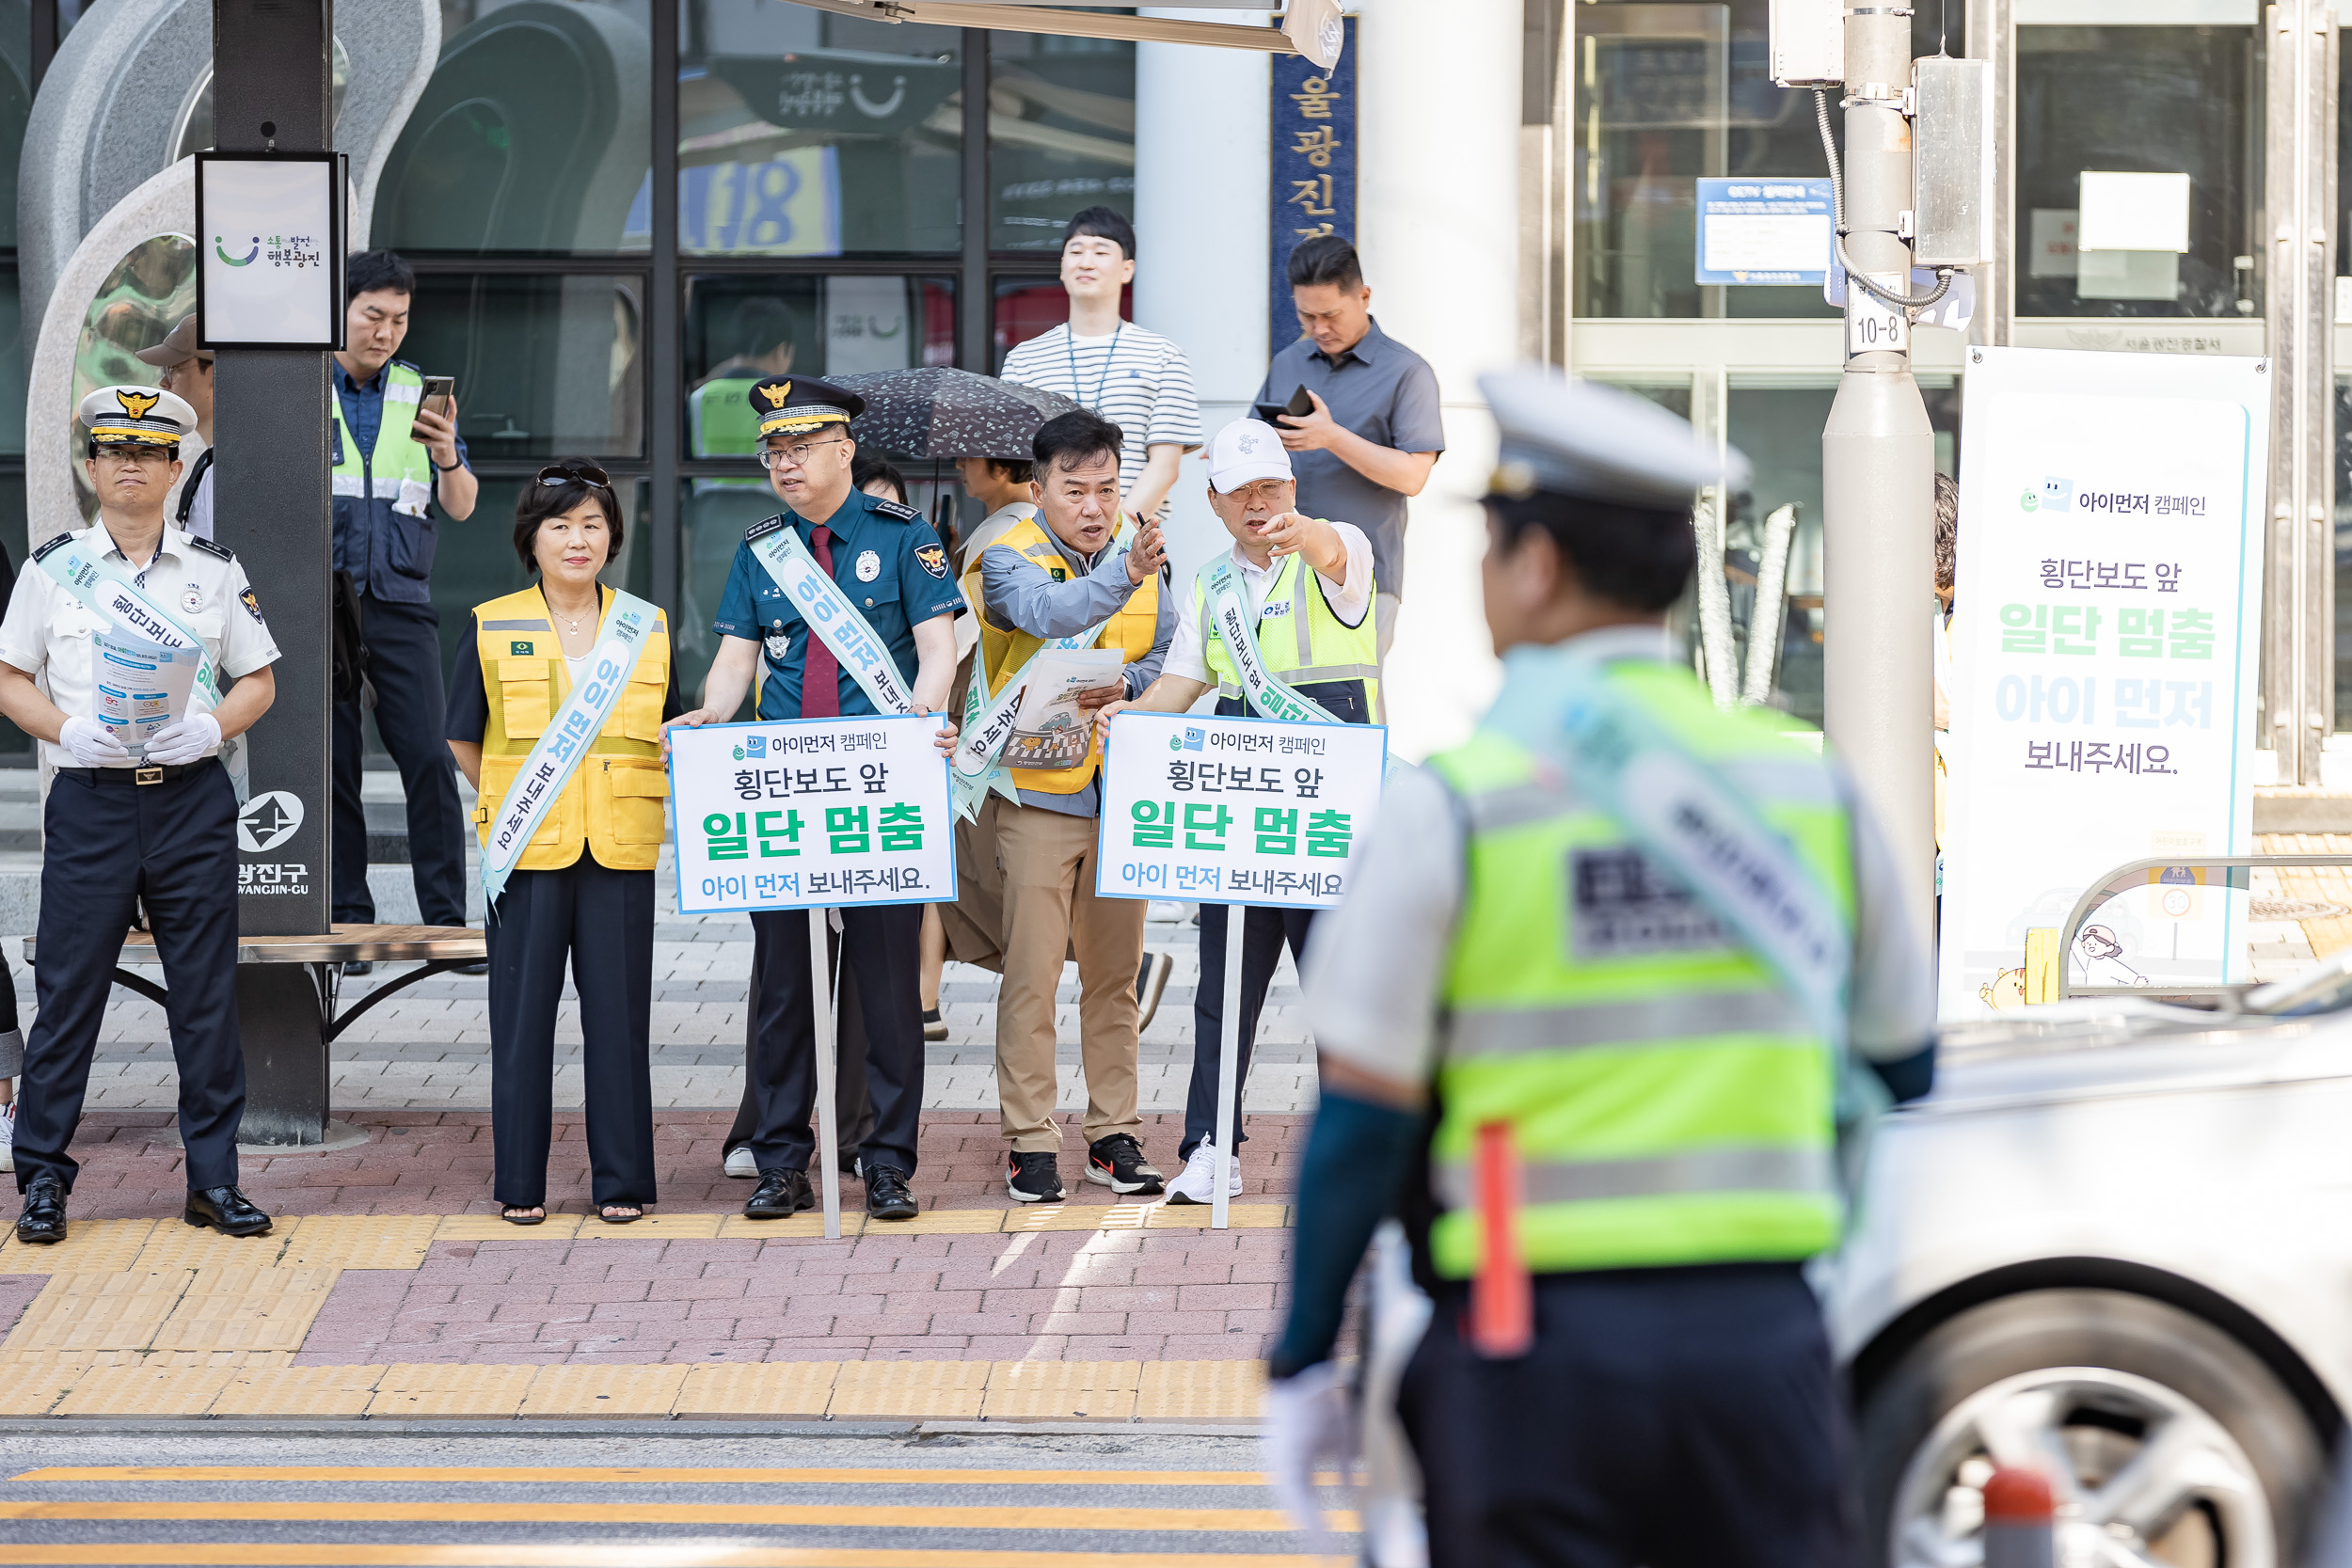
x,y
620,1214
520,1213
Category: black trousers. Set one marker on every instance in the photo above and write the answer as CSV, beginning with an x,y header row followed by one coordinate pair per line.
x,y
404,667
1681,1419
599,921
1262,933
880,946
104,847
848,1087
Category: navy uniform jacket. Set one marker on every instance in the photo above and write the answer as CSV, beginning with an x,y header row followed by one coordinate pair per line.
x,y
888,563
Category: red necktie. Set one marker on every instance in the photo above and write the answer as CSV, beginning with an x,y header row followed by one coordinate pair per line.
x,y
820,673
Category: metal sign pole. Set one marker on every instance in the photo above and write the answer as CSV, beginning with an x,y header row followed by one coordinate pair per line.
x,y
1228,1063
820,1007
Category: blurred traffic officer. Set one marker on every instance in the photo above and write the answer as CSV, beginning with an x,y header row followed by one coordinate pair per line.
x,y
185,371
581,897
395,460
120,829
892,570
1310,584
1591,1000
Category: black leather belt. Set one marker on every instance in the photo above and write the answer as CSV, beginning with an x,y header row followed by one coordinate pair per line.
x,y
152,773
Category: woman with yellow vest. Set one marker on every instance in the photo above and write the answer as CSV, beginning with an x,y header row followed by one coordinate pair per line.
x,y
582,896
1060,574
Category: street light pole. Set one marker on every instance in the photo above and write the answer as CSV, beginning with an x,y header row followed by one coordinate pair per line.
x,y
1878,475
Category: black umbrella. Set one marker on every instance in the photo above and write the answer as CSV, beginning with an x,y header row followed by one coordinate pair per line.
x,y
945,414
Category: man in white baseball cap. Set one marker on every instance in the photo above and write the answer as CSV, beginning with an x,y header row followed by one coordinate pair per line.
x,y
1305,585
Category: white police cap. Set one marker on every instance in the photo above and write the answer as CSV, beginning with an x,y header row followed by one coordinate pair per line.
x,y
1581,438
136,416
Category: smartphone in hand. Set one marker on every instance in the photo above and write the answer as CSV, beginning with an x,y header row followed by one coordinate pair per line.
x,y
438,391
1300,403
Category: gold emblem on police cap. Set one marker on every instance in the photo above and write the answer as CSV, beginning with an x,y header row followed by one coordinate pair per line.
x,y
135,405
776,394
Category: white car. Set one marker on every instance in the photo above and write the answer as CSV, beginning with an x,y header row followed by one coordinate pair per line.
x,y
2115,1244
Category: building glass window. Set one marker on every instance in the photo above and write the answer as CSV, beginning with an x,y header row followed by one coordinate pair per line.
x,y
1029,308
1061,129
2140,164
803,133
545,366
533,136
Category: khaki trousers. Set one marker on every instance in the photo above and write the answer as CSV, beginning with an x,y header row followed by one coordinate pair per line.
x,y
975,923
1050,909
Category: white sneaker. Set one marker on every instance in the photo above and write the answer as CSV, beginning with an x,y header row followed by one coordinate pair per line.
x,y
1197,1181
741,1164
7,1136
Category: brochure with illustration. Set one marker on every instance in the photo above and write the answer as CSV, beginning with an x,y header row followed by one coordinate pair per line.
x,y
140,686
1051,730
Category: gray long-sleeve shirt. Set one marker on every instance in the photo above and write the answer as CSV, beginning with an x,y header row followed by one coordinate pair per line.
x,y
1017,591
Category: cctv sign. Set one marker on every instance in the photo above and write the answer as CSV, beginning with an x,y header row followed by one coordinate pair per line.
x,y
269,232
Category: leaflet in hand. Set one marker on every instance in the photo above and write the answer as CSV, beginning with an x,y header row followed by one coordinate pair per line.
x,y
140,686
1051,730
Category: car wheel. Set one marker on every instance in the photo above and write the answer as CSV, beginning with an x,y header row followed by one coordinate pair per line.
x,y
2165,1440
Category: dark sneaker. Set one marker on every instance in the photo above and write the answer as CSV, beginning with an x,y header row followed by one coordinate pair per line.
x,y
781,1194
1151,985
1117,1162
934,1026
886,1195
1033,1177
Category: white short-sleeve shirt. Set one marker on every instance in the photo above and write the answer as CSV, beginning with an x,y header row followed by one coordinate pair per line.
x,y
47,632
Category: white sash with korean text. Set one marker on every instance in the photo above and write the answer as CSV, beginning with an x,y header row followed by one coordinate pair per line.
x,y
564,745
1267,694
832,617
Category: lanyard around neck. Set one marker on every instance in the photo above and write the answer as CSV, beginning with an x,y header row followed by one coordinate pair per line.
x,y
1070,347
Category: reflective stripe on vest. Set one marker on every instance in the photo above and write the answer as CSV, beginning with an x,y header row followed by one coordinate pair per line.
x,y
400,461
1004,650
613,807
1321,650
1671,1103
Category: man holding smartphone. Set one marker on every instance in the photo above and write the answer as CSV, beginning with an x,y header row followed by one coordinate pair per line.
x,y
395,459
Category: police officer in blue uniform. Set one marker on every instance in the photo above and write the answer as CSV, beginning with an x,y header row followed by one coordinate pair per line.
x,y
159,826
893,569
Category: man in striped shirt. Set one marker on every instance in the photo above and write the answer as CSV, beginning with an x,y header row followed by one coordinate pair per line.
x,y
1138,380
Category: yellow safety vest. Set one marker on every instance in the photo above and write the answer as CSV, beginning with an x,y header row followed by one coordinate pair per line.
x,y
613,804
1004,650
1318,655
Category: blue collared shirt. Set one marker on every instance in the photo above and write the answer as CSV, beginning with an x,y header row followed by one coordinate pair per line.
x,y
894,572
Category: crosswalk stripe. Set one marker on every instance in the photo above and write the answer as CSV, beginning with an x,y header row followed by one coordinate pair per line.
x,y
916,1516
642,1474
638,1555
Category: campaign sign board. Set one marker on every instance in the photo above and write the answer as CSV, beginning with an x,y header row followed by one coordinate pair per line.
x,y
2104,651
270,249
1756,230
1236,810
811,814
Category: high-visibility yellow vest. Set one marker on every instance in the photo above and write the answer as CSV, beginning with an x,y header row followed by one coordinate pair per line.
x,y
1299,639
613,804
1669,1102
1004,650
383,536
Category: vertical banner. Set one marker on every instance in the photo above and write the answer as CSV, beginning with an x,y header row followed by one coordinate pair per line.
x,y
2104,651
1313,188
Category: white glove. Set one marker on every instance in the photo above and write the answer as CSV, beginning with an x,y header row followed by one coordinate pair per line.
x,y
185,740
1307,1418
91,745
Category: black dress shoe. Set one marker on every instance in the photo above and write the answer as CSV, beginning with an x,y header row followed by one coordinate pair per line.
x,y
781,1194
43,1219
886,1195
360,966
227,1210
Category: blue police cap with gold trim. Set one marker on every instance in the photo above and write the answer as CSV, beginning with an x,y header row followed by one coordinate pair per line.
x,y
1597,443
786,404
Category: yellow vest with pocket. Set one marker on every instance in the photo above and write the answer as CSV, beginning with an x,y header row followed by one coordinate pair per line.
x,y
614,803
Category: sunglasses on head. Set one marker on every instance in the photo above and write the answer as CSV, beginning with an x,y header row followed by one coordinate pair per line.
x,y
575,473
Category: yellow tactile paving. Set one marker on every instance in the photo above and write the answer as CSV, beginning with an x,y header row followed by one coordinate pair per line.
x,y
1061,1390
241,1308
1238,1216
586,1392
144,1392
361,1240
943,1222
489,1227
297,1391
429,1392
32,1391
90,1247
736,1227
652,1228
1200,1391
774,1390
98,1312
174,1244
941,1390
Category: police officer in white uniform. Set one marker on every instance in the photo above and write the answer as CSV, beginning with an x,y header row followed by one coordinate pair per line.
x,y
160,827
